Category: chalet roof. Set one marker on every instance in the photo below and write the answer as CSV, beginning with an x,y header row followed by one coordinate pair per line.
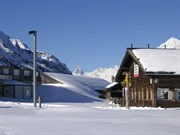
x,y
153,61
159,60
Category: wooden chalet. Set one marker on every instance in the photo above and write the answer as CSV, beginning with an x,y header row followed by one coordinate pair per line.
x,y
113,92
153,77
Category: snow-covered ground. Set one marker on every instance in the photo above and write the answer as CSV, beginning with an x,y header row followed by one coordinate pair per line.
x,y
97,118
72,107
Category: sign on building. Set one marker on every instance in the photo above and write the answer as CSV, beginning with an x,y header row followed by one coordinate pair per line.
x,y
136,70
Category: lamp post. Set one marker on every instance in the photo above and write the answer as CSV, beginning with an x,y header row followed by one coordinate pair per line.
x,y
34,66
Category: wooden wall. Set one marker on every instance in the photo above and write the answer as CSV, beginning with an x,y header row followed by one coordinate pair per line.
x,y
141,89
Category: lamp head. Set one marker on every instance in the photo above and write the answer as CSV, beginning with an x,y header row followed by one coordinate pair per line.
x,y
32,32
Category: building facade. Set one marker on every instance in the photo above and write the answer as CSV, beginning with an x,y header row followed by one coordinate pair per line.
x,y
151,79
16,83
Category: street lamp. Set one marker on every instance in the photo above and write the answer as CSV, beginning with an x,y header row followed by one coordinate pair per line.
x,y
34,66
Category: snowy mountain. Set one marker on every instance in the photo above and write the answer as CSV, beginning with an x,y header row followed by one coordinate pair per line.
x,y
78,71
17,54
171,43
104,73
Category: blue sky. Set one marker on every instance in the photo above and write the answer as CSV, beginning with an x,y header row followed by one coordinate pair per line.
x,y
91,33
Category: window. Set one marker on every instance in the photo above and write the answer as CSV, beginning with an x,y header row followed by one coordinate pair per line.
x,y
179,95
135,94
6,92
151,94
16,72
132,94
139,95
147,93
6,71
9,91
27,92
37,74
26,73
142,93
166,95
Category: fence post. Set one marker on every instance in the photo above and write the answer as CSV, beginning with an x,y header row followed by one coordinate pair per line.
x,y
40,100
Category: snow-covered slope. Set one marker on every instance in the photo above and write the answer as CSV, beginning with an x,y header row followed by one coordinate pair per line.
x,y
72,88
171,43
104,73
15,53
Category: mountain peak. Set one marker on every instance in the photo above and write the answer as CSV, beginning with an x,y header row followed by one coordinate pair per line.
x,y
78,71
17,54
2,33
3,36
104,73
172,43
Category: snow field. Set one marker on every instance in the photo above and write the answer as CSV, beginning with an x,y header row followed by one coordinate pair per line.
x,y
73,108
85,119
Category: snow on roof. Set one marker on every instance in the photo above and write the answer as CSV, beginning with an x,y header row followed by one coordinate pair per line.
x,y
80,84
111,85
159,60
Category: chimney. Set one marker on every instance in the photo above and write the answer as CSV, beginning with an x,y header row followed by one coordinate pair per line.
x,y
131,45
148,45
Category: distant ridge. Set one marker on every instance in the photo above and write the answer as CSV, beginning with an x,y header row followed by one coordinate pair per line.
x,y
104,73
